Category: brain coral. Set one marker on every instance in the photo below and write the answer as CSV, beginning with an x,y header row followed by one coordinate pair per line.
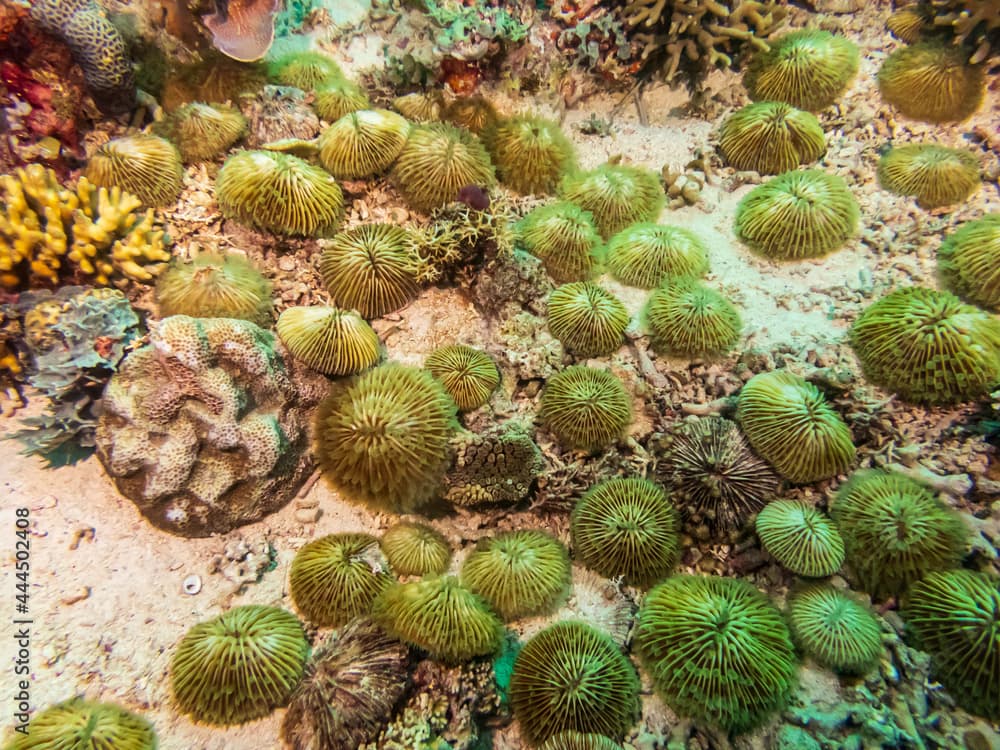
x,y
969,261
48,232
932,81
935,175
97,47
205,429
497,466
147,166
78,724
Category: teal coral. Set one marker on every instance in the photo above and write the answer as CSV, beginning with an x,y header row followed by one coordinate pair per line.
x,y
78,724
969,261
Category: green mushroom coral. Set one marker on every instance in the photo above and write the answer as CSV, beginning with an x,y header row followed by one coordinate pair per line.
x,y
928,346
646,254
932,81
147,166
439,160
332,341
771,137
687,319
304,70
588,320
616,195
416,549
469,375
531,153
213,285
584,408
202,131
969,261
362,143
78,724
935,175
835,629
800,537
564,236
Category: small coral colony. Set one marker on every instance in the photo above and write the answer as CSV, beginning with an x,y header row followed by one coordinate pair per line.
x,y
217,415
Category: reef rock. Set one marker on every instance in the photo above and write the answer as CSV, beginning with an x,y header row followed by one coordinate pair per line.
x,y
206,428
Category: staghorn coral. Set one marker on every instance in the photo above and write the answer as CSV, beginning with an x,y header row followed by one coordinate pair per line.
x,y
78,724
49,233
693,36
469,375
97,47
928,346
835,629
496,467
969,261
332,341
687,319
616,195
238,666
645,255
717,649
349,689
146,166
936,175
362,143
531,154
585,408
564,236
770,138
588,320
932,82
415,549
205,429
572,677
202,131
800,537
213,285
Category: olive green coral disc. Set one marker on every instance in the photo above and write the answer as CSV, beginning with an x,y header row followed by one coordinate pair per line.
x,y
334,99
202,131
689,320
468,374
616,195
362,143
800,537
835,629
145,165
585,408
415,549
771,137
333,341
239,665
789,423
531,154
645,254
588,320
932,81
935,175
580,741
213,285
928,346
78,724
969,261
564,236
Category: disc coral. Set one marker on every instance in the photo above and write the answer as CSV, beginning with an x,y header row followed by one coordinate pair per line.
x,y
213,285
332,341
969,261
789,423
563,235
415,549
801,537
334,99
645,255
835,629
588,320
796,215
935,175
520,573
78,724
628,528
585,408
469,375
932,81
572,677
717,650
349,690
147,166
203,131
440,616
895,531
383,437
770,138
616,195
304,70
437,161
371,268
474,113
337,577
279,193
239,665
687,319
362,143
928,346
956,617
579,741
531,154
808,69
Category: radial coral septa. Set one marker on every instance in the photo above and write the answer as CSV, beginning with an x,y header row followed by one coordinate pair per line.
x,y
145,165
588,320
801,538
362,143
617,195
646,255
78,724
771,137
202,131
531,153
932,81
333,341
935,175
689,320
416,549
213,285
969,261
469,375
835,629
565,237
585,408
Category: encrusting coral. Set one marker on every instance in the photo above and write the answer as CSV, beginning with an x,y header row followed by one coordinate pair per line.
x,y
616,195
362,143
439,160
690,320
333,341
800,537
588,320
932,81
564,236
202,131
349,690
627,527
531,154
717,649
279,193
371,268
382,437
646,254
49,233
956,618
147,166
469,375
798,214
809,69
789,423
415,549
498,466
520,573
928,346
78,724
238,666
585,408
835,629
572,677
935,175
969,261
337,577
442,617
215,285
206,428
97,46
771,138
895,531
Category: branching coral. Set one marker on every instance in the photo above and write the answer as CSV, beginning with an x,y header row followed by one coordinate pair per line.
x,y
49,233
973,25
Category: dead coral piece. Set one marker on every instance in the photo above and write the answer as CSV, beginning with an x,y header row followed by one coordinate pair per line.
x,y
975,23
206,429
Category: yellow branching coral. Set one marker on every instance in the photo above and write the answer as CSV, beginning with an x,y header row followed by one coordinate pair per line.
x,y
49,233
